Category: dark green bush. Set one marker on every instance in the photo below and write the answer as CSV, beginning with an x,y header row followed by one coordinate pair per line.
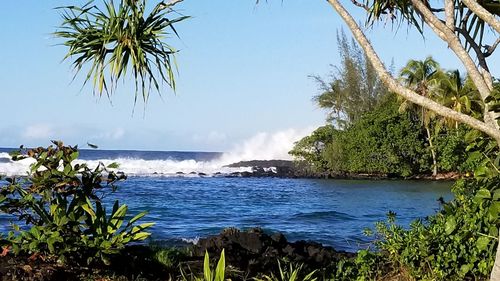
x,y
60,204
457,243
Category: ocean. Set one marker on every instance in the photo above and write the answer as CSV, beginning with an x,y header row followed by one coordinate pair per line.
x,y
188,195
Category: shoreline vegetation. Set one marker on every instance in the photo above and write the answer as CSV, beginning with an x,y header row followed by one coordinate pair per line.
x,y
294,169
248,254
63,230
69,235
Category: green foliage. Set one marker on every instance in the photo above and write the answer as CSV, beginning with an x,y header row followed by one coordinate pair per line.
x,y
169,257
354,88
217,274
116,38
60,203
394,137
458,243
310,148
290,273
366,266
483,157
382,141
450,147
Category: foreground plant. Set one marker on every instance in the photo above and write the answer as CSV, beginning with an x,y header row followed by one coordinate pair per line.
x,y
218,274
458,243
60,204
290,273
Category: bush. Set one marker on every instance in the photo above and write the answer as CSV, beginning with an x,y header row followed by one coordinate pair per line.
x,y
458,243
380,142
60,204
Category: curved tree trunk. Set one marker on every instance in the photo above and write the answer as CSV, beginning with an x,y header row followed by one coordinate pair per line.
x,y
489,126
393,85
495,272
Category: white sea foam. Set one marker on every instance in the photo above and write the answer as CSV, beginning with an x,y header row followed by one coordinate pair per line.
x,y
263,146
193,241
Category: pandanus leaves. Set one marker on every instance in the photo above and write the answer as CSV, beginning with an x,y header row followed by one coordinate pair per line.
x,y
110,40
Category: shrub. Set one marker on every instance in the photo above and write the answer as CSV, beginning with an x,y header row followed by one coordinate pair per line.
x,y
457,243
60,203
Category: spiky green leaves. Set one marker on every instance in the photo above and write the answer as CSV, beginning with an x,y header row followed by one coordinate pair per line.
x,y
110,40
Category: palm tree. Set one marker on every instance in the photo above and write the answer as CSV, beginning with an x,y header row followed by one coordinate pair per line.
x,y
334,100
460,95
111,39
423,77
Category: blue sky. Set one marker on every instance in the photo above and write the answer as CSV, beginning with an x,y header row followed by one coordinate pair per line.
x,y
243,70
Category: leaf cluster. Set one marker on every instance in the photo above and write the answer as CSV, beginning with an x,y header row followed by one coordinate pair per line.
x,y
458,243
118,38
60,204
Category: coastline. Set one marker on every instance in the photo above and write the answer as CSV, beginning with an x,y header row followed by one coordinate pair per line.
x,y
292,169
248,253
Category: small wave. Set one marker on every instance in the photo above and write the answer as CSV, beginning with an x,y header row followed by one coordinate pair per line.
x,y
320,215
193,241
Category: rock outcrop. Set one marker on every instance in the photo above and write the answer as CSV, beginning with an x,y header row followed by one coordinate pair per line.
x,y
255,251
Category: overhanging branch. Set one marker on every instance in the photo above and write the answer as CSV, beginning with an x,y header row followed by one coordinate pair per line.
x,y
490,49
481,80
406,93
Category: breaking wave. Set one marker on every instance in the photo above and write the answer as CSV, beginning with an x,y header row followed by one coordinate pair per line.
x,y
263,146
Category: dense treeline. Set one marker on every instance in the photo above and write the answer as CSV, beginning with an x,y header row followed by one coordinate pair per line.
x,y
370,131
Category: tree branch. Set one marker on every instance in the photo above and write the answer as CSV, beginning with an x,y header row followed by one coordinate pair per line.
x,y
483,14
406,93
449,8
360,5
164,5
480,55
437,10
491,49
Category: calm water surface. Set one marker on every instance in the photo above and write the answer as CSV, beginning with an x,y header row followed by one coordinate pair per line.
x,y
333,212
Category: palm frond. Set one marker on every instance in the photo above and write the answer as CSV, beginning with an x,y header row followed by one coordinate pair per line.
x,y
113,40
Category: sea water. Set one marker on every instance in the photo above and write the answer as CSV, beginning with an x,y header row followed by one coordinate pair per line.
x,y
188,195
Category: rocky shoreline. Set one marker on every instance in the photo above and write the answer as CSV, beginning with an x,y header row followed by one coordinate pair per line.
x,y
253,251
248,254
291,169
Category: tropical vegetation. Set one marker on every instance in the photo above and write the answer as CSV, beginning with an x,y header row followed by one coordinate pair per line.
x,y
110,40
392,136
370,131
60,205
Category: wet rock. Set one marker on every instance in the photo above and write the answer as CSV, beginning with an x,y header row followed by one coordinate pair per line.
x,y
255,251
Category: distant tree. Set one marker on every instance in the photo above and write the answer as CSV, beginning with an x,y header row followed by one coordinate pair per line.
x,y
423,77
461,95
382,141
311,148
354,87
